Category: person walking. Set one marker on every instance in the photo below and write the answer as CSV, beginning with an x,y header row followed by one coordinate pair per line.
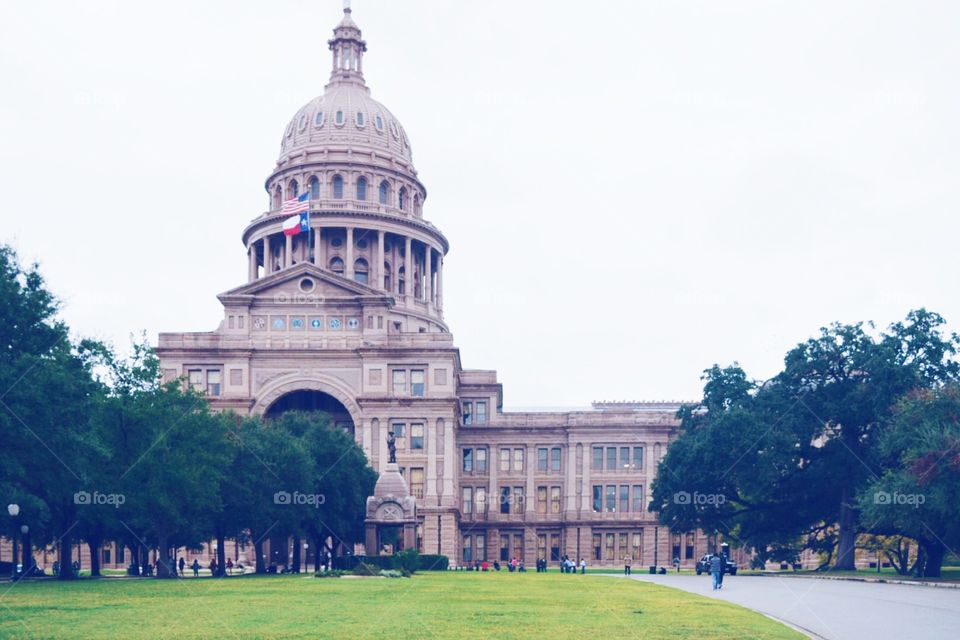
x,y
196,568
182,564
627,561
716,571
229,566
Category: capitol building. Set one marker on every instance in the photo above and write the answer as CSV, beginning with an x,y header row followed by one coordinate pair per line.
x,y
347,317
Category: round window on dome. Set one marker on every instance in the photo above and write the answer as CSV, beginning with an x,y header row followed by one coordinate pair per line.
x,y
379,122
336,243
303,122
359,119
338,119
361,243
318,119
394,130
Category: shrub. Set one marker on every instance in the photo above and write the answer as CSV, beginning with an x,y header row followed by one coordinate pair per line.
x,y
364,569
335,573
393,573
433,562
408,560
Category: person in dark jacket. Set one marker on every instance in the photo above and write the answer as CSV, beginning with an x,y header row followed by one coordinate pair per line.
x,y
716,571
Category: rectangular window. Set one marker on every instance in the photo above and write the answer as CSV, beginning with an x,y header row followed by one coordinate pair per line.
x,y
400,433
416,435
541,546
624,458
518,500
608,555
504,459
481,500
597,464
417,386
541,500
555,459
611,458
638,498
399,382
611,498
213,382
505,500
467,500
554,499
638,547
468,460
542,460
623,545
688,550
120,546
481,460
481,411
106,555
638,458
596,546
467,549
195,379
504,547
416,481
624,498
481,547
467,412
518,460
597,498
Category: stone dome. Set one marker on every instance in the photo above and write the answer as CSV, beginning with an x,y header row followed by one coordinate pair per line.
x,y
345,116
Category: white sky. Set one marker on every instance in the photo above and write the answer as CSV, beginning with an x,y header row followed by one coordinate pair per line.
x,y
632,190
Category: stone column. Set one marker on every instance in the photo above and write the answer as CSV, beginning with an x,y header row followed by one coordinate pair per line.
x,y
267,256
348,268
288,253
252,255
450,458
569,488
439,294
408,267
531,490
380,260
430,494
318,252
428,271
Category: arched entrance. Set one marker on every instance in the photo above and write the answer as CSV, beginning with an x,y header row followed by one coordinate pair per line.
x,y
311,400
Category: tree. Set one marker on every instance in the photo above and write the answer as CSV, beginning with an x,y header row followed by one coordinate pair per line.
x,y
918,495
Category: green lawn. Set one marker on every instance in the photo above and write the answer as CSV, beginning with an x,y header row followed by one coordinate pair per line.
x,y
429,605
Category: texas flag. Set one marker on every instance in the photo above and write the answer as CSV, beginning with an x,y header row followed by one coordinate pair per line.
x,y
300,222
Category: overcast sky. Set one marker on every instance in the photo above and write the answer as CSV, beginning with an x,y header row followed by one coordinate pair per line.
x,y
632,190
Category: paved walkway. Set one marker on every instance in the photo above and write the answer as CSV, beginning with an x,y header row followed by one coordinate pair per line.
x,y
836,609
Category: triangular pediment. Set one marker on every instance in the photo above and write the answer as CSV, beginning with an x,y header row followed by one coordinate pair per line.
x,y
304,280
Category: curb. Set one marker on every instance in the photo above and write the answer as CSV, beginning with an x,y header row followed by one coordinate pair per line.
x,y
912,583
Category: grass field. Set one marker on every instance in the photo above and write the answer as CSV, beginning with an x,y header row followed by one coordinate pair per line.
x,y
464,606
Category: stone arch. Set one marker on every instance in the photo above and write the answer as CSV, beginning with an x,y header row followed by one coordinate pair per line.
x,y
315,381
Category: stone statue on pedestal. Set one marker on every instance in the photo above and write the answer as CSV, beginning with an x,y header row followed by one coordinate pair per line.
x,y
392,447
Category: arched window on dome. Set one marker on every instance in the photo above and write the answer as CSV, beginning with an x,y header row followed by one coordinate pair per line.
x,y
361,188
401,281
277,197
402,199
338,187
314,188
361,271
336,265
294,189
339,118
384,192
416,204
387,277
360,118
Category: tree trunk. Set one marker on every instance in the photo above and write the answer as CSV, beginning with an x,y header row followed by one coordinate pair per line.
x,y
258,551
935,553
296,554
317,553
847,540
163,558
94,543
221,552
66,558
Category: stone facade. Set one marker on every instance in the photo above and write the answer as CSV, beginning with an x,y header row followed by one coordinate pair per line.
x,y
348,317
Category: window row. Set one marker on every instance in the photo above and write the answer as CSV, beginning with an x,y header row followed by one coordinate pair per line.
x,y
474,548
206,381
417,378
512,460
616,546
340,119
622,498
475,460
361,191
617,458
474,412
